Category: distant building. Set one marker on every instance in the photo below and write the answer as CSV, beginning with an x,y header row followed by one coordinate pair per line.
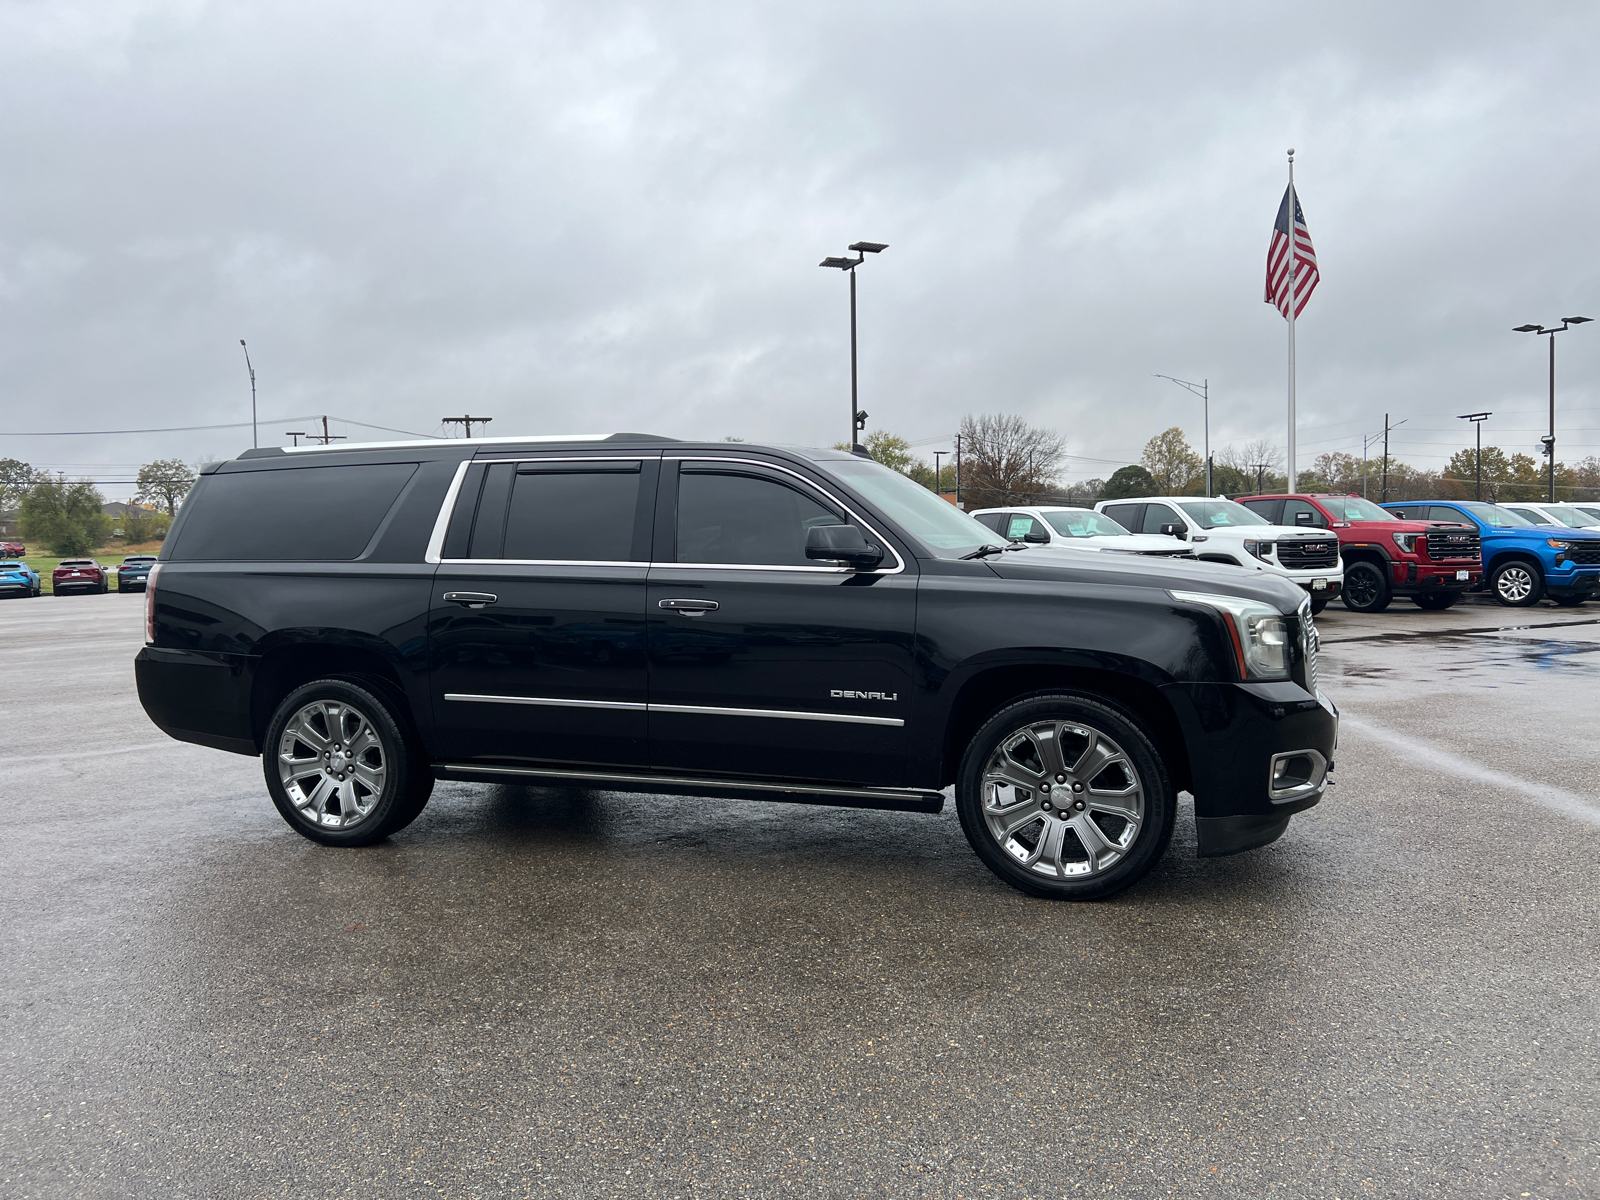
x,y
9,525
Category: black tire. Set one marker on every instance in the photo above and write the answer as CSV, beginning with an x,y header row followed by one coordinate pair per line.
x,y
406,782
1318,603
1435,601
1366,588
1517,584
1111,724
1570,601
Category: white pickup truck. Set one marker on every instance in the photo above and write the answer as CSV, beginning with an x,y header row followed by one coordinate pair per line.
x,y
1074,529
1225,532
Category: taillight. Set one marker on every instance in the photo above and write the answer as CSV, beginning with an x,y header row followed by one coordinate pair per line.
x,y
150,605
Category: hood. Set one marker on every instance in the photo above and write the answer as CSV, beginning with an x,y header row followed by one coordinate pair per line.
x,y
1376,529
1073,568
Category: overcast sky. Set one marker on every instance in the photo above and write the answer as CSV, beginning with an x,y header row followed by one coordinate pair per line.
x,y
591,217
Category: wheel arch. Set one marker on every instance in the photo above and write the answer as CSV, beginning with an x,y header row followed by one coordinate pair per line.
x,y
988,690
287,665
1508,556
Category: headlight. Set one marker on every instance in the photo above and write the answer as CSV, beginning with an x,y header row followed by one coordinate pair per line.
x,y
1407,541
1260,633
1558,544
1259,549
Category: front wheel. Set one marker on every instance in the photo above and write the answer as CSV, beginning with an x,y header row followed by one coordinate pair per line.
x,y
1435,601
1517,584
1064,796
1366,588
341,766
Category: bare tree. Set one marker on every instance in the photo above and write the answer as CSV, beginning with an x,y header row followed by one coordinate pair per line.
x,y
1004,460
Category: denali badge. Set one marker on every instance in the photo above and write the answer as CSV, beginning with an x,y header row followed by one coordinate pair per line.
x,y
840,694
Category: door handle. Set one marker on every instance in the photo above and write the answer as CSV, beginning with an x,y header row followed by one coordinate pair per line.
x,y
689,608
471,599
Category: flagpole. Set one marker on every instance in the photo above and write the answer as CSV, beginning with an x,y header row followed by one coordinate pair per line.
x,y
1294,255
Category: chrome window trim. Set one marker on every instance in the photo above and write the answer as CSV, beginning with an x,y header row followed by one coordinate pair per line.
x,y
898,568
442,522
691,709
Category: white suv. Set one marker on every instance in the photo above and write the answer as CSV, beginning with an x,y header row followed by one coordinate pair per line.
x,y
1075,529
1225,532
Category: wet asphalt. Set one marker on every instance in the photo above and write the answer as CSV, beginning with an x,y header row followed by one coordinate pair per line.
x,y
571,993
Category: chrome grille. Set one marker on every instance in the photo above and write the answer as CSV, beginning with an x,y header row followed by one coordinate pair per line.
x,y
1309,554
1445,547
1310,644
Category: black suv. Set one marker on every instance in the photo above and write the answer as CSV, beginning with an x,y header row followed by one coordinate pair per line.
x,y
647,615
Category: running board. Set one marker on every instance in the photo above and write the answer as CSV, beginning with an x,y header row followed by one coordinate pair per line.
x,y
843,796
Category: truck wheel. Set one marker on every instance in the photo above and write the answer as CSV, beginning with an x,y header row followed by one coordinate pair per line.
x,y
1517,584
1366,588
1065,797
1434,601
341,766
1318,603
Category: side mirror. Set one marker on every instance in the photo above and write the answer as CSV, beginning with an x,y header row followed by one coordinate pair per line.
x,y
1304,518
1035,538
843,543
1173,529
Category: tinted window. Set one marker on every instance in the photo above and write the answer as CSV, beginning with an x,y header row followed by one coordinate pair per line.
x,y
1265,508
572,515
301,513
1157,515
991,520
1443,514
1298,512
1126,515
725,518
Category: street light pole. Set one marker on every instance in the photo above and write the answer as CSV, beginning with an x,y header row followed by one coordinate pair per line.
x,y
938,479
1549,439
1203,390
1477,420
255,440
858,419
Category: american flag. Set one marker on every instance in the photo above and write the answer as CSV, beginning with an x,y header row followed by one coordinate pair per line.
x,y
1306,276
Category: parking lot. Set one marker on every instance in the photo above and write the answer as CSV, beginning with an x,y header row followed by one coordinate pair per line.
x,y
553,992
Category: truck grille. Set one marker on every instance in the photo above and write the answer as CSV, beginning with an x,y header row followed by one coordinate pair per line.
x,y
1448,547
1309,554
1585,558
1310,644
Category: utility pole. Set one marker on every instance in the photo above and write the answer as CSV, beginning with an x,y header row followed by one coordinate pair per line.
x,y
1260,470
296,434
324,437
958,473
466,420
1477,420
1386,428
255,440
938,479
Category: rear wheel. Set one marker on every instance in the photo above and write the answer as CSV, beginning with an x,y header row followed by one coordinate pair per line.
x,y
1064,796
341,764
1366,588
1434,601
1517,584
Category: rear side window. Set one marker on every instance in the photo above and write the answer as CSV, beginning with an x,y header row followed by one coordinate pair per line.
x,y
553,512
295,514
1126,515
1269,509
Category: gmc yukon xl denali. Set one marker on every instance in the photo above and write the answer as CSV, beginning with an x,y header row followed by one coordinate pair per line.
x,y
652,616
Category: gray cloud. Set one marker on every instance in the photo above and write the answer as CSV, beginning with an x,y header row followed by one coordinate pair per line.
x,y
607,216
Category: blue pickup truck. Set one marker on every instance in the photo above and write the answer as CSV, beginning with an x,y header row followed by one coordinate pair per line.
x,y
1522,562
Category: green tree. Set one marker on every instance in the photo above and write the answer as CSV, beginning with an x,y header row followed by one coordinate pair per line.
x,y
1171,461
16,479
143,526
66,517
1128,482
165,482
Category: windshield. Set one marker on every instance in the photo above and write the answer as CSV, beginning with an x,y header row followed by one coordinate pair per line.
x,y
1589,511
937,524
1492,514
1080,522
1220,514
1569,516
1354,508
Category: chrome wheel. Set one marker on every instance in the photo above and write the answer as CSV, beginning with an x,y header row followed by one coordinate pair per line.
x,y
1514,584
1062,800
331,763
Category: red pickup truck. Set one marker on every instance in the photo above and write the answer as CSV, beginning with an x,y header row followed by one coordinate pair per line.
x,y
1433,562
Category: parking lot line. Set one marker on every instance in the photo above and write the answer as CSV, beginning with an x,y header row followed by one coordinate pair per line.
x,y
1582,808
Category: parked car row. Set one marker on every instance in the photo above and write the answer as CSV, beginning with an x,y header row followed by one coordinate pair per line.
x,y
18,579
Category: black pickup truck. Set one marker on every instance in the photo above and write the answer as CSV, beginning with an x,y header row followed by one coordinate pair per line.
x,y
647,615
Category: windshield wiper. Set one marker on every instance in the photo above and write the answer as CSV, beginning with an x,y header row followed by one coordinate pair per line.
x,y
985,551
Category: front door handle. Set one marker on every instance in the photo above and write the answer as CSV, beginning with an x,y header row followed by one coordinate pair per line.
x,y
689,608
471,599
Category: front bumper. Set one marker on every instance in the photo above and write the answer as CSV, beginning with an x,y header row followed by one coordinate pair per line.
x,y
1581,582
1233,732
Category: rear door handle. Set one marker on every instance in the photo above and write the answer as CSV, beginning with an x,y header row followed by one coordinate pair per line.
x,y
471,599
689,608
